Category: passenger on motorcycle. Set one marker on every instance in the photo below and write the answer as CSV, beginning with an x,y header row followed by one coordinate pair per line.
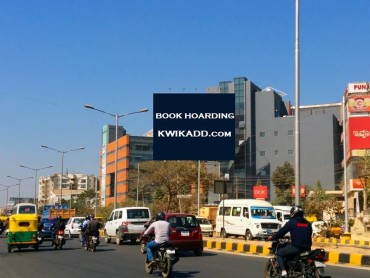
x,y
93,227
57,226
300,233
83,230
162,231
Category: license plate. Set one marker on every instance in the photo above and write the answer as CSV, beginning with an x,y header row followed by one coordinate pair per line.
x,y
319,264
185,233
170,252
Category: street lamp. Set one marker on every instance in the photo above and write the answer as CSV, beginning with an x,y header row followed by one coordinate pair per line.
x,y
61,175
19,185
116,116
7,194
36,170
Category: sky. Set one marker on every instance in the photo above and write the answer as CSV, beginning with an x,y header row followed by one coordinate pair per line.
x,y
56,56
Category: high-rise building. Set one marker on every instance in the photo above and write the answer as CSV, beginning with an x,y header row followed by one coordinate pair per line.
x,y
264,138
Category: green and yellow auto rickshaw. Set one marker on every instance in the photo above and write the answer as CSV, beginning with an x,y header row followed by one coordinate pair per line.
x,y
22,227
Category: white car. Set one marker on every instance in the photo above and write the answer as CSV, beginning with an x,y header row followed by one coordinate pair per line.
x,y
73,226
205,225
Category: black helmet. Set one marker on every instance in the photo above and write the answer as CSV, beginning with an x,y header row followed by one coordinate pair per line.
x,y
296,211
59,217
160,216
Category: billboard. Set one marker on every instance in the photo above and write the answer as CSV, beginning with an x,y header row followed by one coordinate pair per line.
x,y
359,104
302,191
260,192
358,87
359,133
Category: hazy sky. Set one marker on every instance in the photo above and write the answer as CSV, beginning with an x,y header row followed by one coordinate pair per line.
x,y
56,56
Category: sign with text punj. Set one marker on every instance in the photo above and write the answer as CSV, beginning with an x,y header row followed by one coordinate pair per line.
x,y
194,126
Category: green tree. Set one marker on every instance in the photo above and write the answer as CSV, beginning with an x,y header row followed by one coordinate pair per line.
x,y
282,179
319,202
160,182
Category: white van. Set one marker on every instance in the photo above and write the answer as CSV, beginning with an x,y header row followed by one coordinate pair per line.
x,y
126,224
250,218
282,214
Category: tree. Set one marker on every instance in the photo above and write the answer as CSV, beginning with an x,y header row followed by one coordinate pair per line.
x,y
282,179
162,181
363,168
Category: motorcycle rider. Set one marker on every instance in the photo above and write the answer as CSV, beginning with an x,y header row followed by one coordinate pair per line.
x,y
300,233
162,231
92,228
57,226
83,229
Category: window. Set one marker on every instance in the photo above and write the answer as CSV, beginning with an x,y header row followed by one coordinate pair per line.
x,y
262,153
290,132
276,152
290,152
245,212
227,210
276,133
262,134
236,211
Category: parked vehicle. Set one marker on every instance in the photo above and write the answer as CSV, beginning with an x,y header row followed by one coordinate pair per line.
x,y
164,259
126,224
59,240
186,234
205,226
307,264
250,218
91,243
73,226
282,214
22,227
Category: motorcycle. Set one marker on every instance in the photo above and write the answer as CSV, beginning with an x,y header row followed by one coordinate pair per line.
x,y
164,259
91,243
310,264
58,241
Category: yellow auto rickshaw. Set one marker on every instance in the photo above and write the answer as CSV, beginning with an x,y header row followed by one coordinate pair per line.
x,y
22,229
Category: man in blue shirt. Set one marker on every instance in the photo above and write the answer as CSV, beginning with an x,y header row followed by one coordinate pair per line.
x,y
300,233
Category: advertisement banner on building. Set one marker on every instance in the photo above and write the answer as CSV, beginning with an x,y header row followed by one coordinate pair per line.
x,y
302,191
359,133
356,185
358,87
359,104
260,192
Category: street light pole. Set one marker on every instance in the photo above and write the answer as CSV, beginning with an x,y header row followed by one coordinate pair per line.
x,y
19,185
7,194
35,170
61,175
116,117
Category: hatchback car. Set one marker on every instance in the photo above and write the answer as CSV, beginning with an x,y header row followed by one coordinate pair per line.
x,y
205,225
73,226
186,234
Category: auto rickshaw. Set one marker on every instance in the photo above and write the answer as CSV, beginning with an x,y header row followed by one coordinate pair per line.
x,y
22,231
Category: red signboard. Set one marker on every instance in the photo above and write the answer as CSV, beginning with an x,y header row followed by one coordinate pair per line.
x,y
302,191
359,133
359,104
260,191
356,185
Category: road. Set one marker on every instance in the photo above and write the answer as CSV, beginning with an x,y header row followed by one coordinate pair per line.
x,y
111,260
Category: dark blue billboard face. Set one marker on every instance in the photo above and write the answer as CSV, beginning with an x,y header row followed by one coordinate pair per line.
x,y
194,126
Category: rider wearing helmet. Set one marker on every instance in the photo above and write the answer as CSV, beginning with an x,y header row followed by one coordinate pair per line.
x,y
162,230
300,233
57,226
83,229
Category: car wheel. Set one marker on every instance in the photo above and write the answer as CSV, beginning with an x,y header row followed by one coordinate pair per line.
x,y
118,239
198,252
224,234
248,235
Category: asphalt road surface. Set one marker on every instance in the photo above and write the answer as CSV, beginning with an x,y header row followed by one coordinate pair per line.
x,y
111,260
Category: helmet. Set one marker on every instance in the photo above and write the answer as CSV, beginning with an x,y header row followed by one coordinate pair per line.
x,y
296,211
87,217
59,217
160,216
